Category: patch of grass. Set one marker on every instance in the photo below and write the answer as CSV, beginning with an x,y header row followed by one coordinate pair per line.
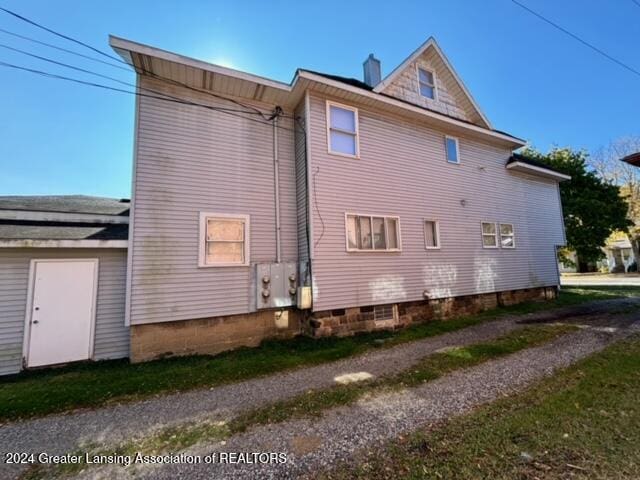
x,y
582,423
42,392
315,402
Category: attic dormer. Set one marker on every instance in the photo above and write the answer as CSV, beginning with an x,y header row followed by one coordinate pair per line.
x,y
427,79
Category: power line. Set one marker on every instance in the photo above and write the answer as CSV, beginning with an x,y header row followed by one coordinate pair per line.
x,y
576,37
94,59
107,77
636,2
115,89
36,24
97,50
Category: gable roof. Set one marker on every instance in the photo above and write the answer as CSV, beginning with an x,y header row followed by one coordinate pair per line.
x,y
431,43
163,65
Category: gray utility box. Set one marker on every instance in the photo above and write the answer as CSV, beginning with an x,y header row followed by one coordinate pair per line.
x,y
276,285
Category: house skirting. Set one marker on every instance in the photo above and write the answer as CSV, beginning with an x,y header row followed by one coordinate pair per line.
x,y
211,335
215,335
347,321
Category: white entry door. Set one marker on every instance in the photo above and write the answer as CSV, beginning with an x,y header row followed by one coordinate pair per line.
x,y
62,311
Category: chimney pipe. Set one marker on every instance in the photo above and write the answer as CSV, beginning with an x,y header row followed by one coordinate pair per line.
x,y
372,71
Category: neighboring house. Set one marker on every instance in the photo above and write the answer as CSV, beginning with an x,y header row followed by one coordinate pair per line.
x,y
62,280
325,206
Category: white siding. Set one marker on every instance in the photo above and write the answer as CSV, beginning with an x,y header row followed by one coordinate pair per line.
x,y
403,172
112,337
191,159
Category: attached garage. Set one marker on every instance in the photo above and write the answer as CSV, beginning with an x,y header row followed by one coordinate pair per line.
x,y
63,263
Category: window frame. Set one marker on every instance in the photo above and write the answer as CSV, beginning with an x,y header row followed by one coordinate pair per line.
x,y
513,236
420,83
386,232
329,104
495,234
437,233
202,242
446,150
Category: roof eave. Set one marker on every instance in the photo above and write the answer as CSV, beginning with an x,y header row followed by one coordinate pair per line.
x,y
535,170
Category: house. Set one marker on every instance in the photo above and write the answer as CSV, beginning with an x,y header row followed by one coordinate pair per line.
x,y
324,206
62,280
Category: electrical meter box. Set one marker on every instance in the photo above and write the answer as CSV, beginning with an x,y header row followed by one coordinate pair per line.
x,y
276,285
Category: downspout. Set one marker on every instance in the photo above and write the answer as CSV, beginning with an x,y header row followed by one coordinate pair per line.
x,y
276,179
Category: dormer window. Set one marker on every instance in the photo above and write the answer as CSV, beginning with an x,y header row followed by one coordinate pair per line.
x,y
427,82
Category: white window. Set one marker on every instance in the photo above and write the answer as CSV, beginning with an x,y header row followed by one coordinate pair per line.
x,y
369,232
383,312
224,240
427,83
489,235
431,234
507,237
342,130
451,148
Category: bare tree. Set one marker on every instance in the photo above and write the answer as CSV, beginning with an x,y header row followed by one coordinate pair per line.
x,y
606,162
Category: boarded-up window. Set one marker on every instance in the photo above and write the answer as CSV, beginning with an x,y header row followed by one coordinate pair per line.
x,y
431,234
368,233
225,241
507,237
342,128
489,235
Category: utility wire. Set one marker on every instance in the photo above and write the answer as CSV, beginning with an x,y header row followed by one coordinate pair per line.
x,y
117,59
576,37
636,2
128,84
115,89
93,59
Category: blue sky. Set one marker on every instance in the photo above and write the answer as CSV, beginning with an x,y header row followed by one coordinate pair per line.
x,y
530,79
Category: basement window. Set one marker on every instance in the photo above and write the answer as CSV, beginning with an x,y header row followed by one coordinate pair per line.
x,y
372,233
383,312
427,83
224,240
342,130
489,235
507,237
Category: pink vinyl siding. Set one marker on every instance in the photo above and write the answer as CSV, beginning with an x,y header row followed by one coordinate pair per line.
x,y
402,171
191,159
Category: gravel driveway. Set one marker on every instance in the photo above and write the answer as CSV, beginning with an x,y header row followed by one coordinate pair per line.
x,y
312,445
58,434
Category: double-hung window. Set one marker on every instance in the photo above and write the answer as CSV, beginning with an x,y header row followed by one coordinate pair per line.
x,y
224,240
342,130
431,234
372,233
507,236
427,83
489,235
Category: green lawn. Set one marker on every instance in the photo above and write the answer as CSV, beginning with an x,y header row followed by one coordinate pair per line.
x,y
42,392
582,423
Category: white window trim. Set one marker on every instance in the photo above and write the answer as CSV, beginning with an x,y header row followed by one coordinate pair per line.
x,y
202,244
328,121
437,225
371,216
435,88
513,235
457,142
495,235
